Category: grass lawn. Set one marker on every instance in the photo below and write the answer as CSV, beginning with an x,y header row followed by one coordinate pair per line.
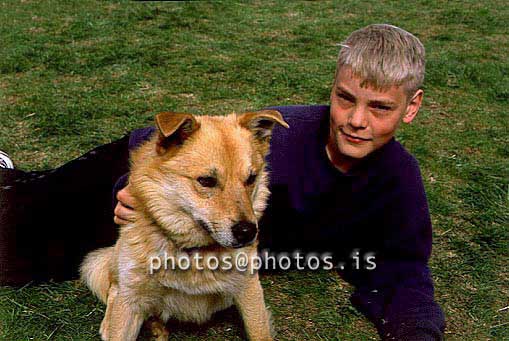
x,y
74,75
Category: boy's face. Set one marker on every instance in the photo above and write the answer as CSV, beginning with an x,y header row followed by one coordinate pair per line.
x,y
364,119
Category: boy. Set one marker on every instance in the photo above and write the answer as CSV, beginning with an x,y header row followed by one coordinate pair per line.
x,y
340,183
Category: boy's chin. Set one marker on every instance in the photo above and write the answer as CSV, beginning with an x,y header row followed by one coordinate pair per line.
x,y
356,151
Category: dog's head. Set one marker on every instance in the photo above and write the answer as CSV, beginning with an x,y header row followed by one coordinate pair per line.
x,y
202,178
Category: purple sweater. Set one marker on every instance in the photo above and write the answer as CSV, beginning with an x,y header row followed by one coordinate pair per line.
x,y
377,209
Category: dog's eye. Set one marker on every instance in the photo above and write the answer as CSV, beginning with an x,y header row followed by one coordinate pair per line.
x,y
207,181
251,179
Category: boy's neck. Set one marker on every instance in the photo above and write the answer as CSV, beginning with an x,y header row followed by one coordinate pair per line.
x,y
342,162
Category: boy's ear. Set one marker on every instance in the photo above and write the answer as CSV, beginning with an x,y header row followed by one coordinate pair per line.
x,y
413,106
174,128
261,123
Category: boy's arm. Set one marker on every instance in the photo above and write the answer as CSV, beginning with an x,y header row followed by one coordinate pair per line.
x,y
402,309
136,138
398,295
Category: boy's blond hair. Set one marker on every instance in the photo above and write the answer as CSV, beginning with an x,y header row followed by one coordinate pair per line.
x,y
382,56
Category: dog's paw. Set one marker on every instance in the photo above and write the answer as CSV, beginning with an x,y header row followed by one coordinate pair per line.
x,y
157,328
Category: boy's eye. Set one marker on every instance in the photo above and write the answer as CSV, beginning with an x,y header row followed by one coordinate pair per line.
x,y
381,106
384,107
345,97
251,179
207,181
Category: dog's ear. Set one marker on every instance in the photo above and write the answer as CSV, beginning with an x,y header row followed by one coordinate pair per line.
x,y
262,122
174,128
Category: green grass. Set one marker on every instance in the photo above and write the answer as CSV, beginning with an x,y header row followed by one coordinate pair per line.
x,y
74,75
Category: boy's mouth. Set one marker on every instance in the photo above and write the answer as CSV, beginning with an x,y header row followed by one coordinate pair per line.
x,y
353,138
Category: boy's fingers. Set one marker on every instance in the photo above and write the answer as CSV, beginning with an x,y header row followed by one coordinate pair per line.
x,y
124,209
125,197
123,214
119,221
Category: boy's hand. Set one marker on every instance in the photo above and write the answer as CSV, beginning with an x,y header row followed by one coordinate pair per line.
x,y
124,209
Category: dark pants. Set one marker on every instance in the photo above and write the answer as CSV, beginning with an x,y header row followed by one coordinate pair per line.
x,y
50,220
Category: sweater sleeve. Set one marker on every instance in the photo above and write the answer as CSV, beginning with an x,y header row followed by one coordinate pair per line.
x,y
402,308
398,295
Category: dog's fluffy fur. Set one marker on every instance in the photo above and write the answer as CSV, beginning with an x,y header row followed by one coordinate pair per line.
x,y
194,181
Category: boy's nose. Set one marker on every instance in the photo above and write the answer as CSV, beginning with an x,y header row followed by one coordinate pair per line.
x,y
358,118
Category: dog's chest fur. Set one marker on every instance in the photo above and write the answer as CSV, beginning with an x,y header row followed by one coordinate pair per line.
x,y
188,295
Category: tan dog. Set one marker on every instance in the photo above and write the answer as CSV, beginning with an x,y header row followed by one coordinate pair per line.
x,y
201,187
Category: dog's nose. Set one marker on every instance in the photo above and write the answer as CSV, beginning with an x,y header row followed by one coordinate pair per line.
x,y
244,232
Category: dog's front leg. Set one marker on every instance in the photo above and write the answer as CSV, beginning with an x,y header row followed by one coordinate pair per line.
x,y
252,308
105,324
125,323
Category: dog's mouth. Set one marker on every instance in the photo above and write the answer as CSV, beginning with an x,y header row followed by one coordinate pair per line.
x,y
204,226
236,245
